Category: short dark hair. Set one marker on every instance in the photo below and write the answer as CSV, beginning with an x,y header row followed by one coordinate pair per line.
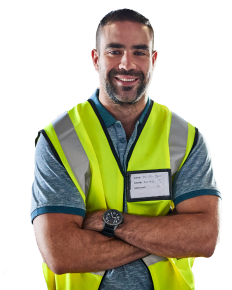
x,y
122,15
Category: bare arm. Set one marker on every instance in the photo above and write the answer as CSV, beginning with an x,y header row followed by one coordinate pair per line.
x,y
192,232
67,248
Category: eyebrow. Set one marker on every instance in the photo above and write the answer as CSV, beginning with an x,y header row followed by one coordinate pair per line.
x,y
119,45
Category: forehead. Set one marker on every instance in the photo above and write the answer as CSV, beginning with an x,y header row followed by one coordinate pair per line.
x,y
127,33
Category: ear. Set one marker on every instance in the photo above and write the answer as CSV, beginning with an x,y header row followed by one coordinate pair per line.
x,y
154,57
95,58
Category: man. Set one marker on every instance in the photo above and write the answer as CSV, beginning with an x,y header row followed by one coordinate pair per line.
x,y
124,195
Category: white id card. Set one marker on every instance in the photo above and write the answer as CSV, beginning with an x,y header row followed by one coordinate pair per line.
x,y
149,185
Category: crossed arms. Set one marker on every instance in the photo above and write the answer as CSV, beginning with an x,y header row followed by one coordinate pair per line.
x,y
70,244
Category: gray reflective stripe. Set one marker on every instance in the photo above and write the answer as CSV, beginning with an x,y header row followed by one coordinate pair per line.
x,y
149,260
177,141
100,273
152,259
73,150
79,162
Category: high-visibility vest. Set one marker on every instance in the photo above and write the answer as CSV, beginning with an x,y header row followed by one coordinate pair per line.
x,y
163,143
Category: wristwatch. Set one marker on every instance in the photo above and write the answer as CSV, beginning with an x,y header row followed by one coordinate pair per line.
x,y
112,218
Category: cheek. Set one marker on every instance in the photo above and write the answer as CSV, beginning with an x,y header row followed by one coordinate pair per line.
x,y
149,69
146,73
102,70
103,67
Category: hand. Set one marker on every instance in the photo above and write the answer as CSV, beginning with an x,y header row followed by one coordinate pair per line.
x,y
93,221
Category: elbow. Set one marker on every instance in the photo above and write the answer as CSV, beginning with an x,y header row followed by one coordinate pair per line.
x,y
60,268
55,268
209,252
211,241
210,247
58,271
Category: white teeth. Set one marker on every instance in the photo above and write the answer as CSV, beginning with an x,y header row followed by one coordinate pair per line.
x,y
127,80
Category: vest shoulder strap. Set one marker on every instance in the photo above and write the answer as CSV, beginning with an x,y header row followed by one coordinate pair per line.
x,y
182,138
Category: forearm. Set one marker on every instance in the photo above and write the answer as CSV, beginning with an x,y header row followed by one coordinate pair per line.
x,y
93,252
177,236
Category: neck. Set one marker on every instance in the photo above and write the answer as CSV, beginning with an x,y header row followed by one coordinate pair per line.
x,y
128,115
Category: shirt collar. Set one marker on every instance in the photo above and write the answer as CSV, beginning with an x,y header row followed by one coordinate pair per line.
x,y
108,119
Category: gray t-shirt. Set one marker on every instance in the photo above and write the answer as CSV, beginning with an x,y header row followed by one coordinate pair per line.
x,y
54,191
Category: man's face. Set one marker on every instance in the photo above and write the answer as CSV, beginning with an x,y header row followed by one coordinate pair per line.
x,y
126,61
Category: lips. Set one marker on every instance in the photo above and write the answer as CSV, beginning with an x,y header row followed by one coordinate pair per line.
x,y
126,80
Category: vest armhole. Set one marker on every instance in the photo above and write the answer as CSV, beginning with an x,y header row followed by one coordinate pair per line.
x,y
37,138
195,140
194,144
50,145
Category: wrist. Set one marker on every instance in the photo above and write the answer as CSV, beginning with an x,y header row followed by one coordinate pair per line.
x,y
112,219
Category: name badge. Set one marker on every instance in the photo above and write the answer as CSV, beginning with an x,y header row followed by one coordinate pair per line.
x,y
149,185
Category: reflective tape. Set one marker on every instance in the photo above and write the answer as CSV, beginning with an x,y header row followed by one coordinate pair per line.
x,y
73,150
153,259
78,159
79,162
100,273
177,141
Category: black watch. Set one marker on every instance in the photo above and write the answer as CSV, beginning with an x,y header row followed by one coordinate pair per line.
x,y
112,218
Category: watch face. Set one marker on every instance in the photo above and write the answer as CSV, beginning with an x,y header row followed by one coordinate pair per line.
x,y
112,217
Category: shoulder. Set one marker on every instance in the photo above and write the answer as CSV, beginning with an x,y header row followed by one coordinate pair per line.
x,y
53,190
45,149
196,176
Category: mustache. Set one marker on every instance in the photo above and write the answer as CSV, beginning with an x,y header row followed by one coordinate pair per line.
x,y
138,74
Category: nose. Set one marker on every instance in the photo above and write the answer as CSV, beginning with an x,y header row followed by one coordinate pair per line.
x,y
127,61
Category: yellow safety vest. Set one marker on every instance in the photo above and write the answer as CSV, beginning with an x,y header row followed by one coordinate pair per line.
x,y
82,142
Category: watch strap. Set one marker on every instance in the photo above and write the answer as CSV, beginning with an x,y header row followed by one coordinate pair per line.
x,y
108,230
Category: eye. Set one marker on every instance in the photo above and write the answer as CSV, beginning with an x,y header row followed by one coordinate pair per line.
x,y
115,52
139,53
118,52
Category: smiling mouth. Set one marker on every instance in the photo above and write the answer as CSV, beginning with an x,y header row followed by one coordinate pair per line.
x,y
126,81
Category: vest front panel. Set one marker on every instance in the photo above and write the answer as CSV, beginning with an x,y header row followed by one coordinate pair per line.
x,y
106,187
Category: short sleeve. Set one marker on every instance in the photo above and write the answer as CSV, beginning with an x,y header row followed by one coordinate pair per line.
x,y
53,191
196,176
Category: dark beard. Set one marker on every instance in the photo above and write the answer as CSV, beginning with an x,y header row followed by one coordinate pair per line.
x,y
111,89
